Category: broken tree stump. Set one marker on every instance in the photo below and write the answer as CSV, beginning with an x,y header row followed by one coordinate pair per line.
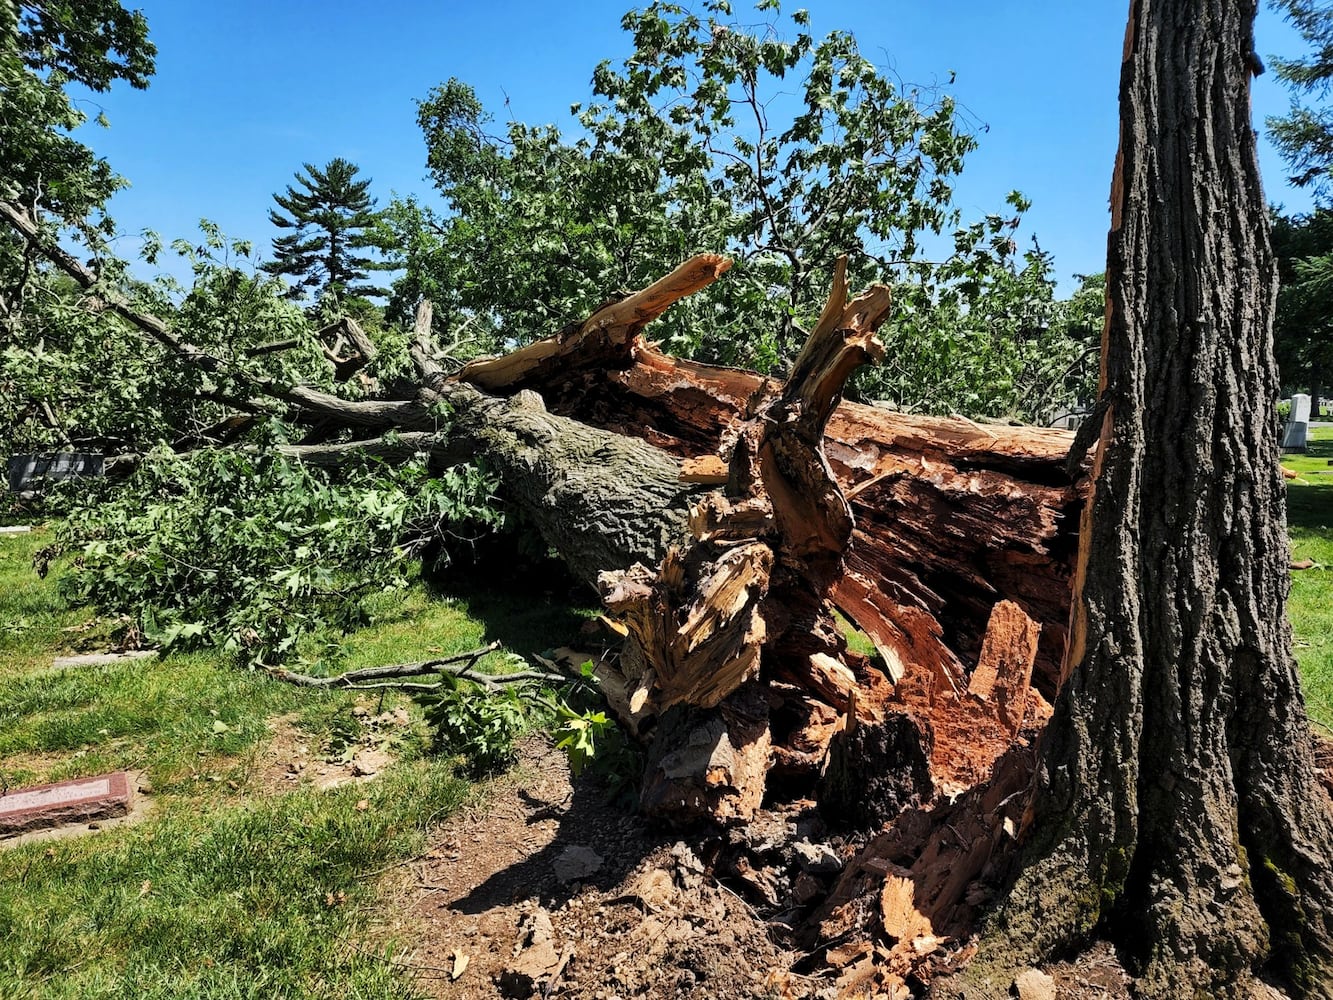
x,y
747,596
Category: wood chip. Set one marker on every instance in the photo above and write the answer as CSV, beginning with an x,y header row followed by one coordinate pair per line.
x,y
707,469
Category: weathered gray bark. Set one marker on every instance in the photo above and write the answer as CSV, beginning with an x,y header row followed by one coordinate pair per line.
x,y
1177,809
600,499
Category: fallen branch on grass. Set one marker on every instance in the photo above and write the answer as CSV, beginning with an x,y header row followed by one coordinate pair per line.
x,y
459,665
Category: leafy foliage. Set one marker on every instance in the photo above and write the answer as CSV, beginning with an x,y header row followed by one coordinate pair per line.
x,y
72,373
45,46
994,343
478,726
250,552
328,217
1303,321
783,152
45,49
1304,136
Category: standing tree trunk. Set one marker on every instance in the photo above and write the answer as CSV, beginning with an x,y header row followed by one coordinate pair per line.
x,y
1176,808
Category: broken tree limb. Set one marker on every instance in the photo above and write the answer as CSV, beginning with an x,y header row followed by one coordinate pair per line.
x,y
701,622
459,664
746,597
609,332
393,676
950,517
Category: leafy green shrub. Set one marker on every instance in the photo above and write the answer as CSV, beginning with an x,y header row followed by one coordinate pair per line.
x,y
593,740
475,724
250,551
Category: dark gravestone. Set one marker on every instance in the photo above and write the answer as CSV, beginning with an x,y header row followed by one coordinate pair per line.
x,y
29,473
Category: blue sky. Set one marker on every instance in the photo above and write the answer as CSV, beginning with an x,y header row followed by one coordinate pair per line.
x,y
248,90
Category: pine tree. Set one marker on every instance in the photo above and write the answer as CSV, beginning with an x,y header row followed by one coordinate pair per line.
x,y
1304,136
328,217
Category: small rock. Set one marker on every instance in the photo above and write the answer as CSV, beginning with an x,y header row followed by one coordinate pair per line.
x,y
760,881
535,959
368,763
805,888
576,862
689,869
820,859
1033,984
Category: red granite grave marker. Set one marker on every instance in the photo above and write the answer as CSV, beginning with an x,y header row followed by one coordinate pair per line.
x,y
103,796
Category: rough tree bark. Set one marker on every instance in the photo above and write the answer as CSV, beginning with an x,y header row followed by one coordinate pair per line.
x,y
1177,809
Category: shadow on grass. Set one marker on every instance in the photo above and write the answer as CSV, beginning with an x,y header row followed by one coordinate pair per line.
x,y
529,602
1310,508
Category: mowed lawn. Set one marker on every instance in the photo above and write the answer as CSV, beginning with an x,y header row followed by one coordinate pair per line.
x,y
235,885
1310,522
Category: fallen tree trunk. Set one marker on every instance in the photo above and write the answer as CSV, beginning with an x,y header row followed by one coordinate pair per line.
x,y
951,519
950,516
949,545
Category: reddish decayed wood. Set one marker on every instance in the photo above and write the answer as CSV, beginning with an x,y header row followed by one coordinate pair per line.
x,y
1004,671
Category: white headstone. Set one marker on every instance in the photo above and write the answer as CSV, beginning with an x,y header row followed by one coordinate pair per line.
x,y
1298,424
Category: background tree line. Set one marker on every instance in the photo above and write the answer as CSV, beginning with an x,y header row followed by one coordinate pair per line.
x,y
1303,242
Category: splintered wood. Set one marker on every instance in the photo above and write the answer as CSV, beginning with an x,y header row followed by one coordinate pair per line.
x,y
949,545
1004,672
764,555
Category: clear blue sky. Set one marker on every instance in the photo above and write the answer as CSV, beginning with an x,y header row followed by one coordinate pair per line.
x,y
248,90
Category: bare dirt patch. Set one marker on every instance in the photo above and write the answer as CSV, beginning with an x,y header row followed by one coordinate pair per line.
x,y
546,889
292,759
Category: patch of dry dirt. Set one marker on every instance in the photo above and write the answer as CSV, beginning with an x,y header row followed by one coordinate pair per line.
x,y
543,888
289,759
547,890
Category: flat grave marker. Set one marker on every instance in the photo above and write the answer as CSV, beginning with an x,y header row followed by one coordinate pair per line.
x,y
80,800
97,659
15,529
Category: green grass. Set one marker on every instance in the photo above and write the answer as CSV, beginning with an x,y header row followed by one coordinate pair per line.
x,y
259,899
33,618
1310,607
227,889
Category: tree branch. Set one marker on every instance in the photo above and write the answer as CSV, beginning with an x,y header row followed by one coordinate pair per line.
x,y
392,676
444,664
